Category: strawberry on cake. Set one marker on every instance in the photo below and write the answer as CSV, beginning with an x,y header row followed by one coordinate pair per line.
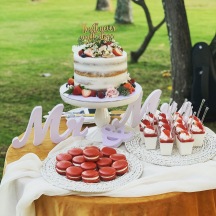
x,y
166,142
185,143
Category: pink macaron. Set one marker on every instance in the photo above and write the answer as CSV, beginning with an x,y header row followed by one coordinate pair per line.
x,y
107,151
88,165
91,154
64,156
75,152
74,173
121,167
116,157
104,162
107,173
90,176
61,167
78,160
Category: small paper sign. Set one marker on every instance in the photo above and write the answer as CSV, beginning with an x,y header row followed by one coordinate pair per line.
x,y
96,32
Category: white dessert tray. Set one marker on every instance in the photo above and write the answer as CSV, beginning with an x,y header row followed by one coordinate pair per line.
x,y
50,175
199,154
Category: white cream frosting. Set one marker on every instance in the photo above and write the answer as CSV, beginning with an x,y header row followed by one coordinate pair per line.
x,y
195,128
149,131
100,73
184,136
90,178
149,118
163,136
121,170
179,129
97,83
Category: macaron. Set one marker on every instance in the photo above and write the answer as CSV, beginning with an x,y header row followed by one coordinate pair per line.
x,y
88,165
91,154
61,167
95,147
107,173
121,167
63,156
78,160
74,173
75,152
117,156
104,162
107,151
90,176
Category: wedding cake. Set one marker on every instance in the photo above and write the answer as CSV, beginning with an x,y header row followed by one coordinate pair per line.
x,y
100,67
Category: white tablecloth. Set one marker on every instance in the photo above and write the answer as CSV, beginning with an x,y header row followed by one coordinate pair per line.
x,y
22,182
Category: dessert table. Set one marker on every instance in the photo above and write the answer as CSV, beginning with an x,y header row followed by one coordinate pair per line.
x,y
191,203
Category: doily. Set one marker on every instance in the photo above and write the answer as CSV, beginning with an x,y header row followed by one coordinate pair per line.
x,y
199,154
50,175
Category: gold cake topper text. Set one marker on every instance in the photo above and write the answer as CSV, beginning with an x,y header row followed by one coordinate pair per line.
x,y
96,31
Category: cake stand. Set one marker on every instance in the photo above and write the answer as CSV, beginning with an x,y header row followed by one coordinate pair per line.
x,y
102,116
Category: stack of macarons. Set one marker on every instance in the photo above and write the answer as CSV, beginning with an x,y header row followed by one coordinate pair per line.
x,y
91,164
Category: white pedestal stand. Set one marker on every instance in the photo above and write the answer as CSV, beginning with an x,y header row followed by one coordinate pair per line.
x,y
102,116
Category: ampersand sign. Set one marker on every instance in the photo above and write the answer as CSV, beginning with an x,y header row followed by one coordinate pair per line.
x,y
114,137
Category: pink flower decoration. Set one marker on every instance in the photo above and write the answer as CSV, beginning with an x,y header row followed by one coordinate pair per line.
x,y
112,93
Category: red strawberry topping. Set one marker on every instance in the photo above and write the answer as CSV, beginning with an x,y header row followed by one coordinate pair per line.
x,y
199,124
77,90
86,92
163,115
145,122
181,126
81,52
101,94
167,132
70,81
166,126
93,93
117,52
88,52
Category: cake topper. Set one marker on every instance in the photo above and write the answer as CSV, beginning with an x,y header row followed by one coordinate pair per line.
x,y
96,32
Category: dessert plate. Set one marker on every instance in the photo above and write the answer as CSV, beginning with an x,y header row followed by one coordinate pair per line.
x,y
199,154
50,175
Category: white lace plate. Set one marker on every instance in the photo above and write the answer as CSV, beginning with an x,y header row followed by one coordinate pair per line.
x,y
199,154
50,175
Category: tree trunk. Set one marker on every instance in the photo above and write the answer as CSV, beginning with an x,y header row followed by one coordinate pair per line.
x,y
123,13
180,49
103,5
135,55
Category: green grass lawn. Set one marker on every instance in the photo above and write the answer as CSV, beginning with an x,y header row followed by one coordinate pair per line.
x,y
36,38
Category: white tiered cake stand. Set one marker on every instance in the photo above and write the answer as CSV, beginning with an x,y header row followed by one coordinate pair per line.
x,y
102,116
